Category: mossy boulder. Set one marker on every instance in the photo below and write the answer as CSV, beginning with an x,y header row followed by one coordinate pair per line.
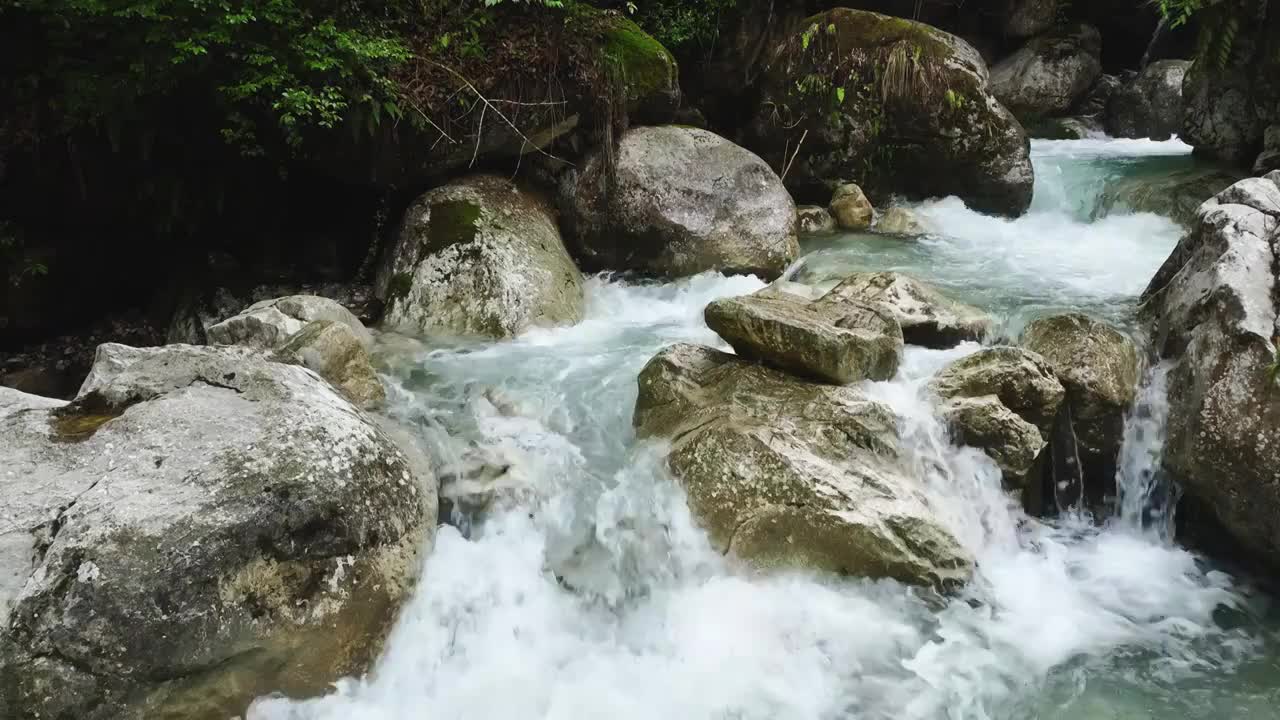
x,y
479,256
928,318
851,208
198,527
680,201
839,343
785,473
647,71
335,353
814,219
897,106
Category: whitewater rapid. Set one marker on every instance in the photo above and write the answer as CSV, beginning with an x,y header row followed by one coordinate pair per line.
x,y
588,591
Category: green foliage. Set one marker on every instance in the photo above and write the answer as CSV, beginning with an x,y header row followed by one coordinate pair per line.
x,y
283,65
681,23
1177,12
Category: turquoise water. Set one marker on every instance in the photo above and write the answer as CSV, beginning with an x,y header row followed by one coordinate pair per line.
x,y
581,587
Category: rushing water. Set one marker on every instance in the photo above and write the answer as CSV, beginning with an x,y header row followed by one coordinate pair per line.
x,y
587,591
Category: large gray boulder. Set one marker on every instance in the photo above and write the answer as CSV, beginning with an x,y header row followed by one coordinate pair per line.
x,y
267,324
840,343
1048,75
1213,312
1099,367
1150,104
897,106
197,527
786,473
927,317
315,332
479,256
1002,400
681,201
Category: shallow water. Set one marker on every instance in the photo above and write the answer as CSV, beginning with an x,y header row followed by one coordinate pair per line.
x,y
589,592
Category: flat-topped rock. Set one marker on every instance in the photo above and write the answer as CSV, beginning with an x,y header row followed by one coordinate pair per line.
x,y
927,317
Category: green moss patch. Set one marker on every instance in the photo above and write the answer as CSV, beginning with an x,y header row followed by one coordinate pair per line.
x,y
644,64
452,222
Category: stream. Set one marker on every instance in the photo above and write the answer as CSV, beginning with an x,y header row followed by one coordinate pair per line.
x,y
586,590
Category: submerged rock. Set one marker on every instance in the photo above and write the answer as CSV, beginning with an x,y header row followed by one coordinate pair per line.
x,y
1213,312
1004,401
896,106
1149,105
851,208
814,219
1175,195
927,317
786,473
899,221
199,526
834,342
682,201
479,256
1049,74
1098,365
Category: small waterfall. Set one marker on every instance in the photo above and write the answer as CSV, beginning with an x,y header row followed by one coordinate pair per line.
x,y
1147,496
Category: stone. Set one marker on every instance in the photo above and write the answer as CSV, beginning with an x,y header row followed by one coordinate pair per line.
x,y
1021,380
315,332
1269,159
334,351
1099,367
851,208
927,317
199,526
814,219
789,474
1027,18
682,201
837,343
899,221
479,256
1212,311
1003,401
1050,74
1149,105
897,106
1176,194
267,324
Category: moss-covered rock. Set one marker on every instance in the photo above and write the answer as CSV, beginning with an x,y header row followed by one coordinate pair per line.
x,y
835,342
897,106
851,208
479,256
785,473
927,317
646,69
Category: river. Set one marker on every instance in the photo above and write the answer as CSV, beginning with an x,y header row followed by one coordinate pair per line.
x,y
585,590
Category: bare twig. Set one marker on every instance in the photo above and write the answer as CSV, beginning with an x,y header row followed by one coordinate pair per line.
x,y
479,135
496,111
796,152
431,122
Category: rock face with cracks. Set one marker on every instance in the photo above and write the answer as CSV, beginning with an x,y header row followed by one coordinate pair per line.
x,y
787,473
1213,313
197,527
